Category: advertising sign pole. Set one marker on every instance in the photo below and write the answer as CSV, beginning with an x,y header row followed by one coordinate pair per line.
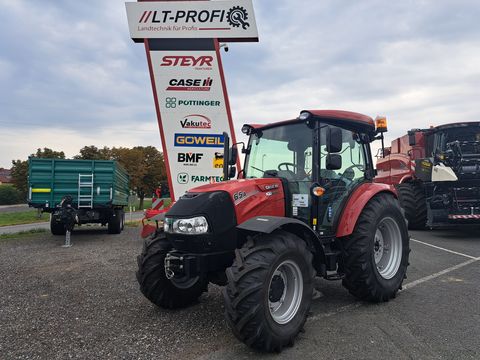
x,y
182,44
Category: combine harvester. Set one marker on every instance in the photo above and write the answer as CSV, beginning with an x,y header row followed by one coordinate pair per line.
x,y
437,174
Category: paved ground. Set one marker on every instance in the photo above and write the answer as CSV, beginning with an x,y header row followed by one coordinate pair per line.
x,y
13,208
83,302
46,225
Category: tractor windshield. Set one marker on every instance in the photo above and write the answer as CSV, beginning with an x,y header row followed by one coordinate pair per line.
x,y
283,151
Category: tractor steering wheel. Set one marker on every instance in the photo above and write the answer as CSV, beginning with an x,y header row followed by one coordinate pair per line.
x,y
287,164
351,167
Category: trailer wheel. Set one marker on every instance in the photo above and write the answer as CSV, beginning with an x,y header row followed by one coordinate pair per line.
x,y
376,253
165,293
269,290
412,199
115,222
57,227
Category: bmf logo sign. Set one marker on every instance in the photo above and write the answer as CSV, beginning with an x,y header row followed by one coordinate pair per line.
x,y
199,140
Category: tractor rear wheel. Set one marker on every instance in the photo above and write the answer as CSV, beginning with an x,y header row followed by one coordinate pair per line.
x,y
269,290
412,199
165,293
376,253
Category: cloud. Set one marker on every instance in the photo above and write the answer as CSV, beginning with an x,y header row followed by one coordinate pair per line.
x,y
70,76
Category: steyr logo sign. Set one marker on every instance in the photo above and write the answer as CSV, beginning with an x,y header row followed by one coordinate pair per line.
x,y
228,20
188,61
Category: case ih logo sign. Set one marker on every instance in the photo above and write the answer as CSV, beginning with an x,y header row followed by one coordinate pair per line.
x,y
228,20
196,121
190,84
236,16
199,63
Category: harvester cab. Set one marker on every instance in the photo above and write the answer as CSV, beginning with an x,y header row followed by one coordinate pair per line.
x,y
304,205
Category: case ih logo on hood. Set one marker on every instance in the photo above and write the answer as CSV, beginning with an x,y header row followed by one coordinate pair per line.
x,y
236,16
196,121
190,84
199,63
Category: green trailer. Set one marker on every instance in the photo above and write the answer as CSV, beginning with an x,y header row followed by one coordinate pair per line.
x,y
97,189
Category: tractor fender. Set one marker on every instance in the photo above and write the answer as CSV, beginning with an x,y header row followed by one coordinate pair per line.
x,y
356,202
268,224
406,178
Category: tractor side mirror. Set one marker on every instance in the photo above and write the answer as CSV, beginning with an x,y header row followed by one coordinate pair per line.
x,y
333,162
232,159
411,138
334,140
232,171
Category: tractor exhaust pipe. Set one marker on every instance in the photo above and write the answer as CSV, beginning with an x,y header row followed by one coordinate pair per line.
x,y
226,155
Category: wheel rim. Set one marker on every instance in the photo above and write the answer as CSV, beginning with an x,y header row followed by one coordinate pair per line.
x,y
387,247
285,292
184,282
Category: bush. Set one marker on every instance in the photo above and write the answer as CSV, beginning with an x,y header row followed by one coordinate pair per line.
x,y
9,195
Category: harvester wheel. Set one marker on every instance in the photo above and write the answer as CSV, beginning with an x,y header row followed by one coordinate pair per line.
x,y
269,290
170,294
376,253
57,227
115,222
412,199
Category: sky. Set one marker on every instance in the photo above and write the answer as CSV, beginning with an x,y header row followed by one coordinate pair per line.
x,y
70,75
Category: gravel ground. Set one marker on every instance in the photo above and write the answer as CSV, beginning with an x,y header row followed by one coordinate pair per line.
x,y
84,302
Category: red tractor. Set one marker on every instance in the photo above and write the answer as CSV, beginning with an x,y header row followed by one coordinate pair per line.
x,y
437,174
305,205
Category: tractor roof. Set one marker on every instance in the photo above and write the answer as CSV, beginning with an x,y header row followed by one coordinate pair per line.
x,y
456,125
350,119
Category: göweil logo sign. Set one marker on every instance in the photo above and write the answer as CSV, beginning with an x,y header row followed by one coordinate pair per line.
x,y
192,19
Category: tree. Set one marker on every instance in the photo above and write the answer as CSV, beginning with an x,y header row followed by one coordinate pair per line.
x,y
146,168
93,153
20,169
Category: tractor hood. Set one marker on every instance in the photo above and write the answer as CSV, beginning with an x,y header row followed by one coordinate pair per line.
x,y
250,197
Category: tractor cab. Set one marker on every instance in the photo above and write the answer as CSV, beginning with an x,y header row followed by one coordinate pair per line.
x,y
319,157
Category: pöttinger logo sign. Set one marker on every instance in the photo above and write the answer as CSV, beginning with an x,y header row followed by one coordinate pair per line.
x,y
173,102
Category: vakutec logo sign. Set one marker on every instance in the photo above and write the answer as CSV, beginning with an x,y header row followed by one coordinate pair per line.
x,y
196,121
192,19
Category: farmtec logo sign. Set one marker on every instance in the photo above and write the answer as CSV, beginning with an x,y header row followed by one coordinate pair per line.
x,y
227,20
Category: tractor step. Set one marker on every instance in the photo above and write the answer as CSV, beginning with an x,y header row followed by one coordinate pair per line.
x,y
334,276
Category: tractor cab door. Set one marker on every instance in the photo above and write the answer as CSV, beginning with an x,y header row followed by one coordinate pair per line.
x,y
342,167
285,152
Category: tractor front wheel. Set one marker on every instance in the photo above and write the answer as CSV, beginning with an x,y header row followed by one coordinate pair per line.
x,y
376,253
269,290
166,293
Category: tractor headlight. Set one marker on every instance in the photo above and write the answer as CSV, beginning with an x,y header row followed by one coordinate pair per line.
x,y
192,226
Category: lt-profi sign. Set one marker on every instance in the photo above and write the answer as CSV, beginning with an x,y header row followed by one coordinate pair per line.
x,y
225,20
